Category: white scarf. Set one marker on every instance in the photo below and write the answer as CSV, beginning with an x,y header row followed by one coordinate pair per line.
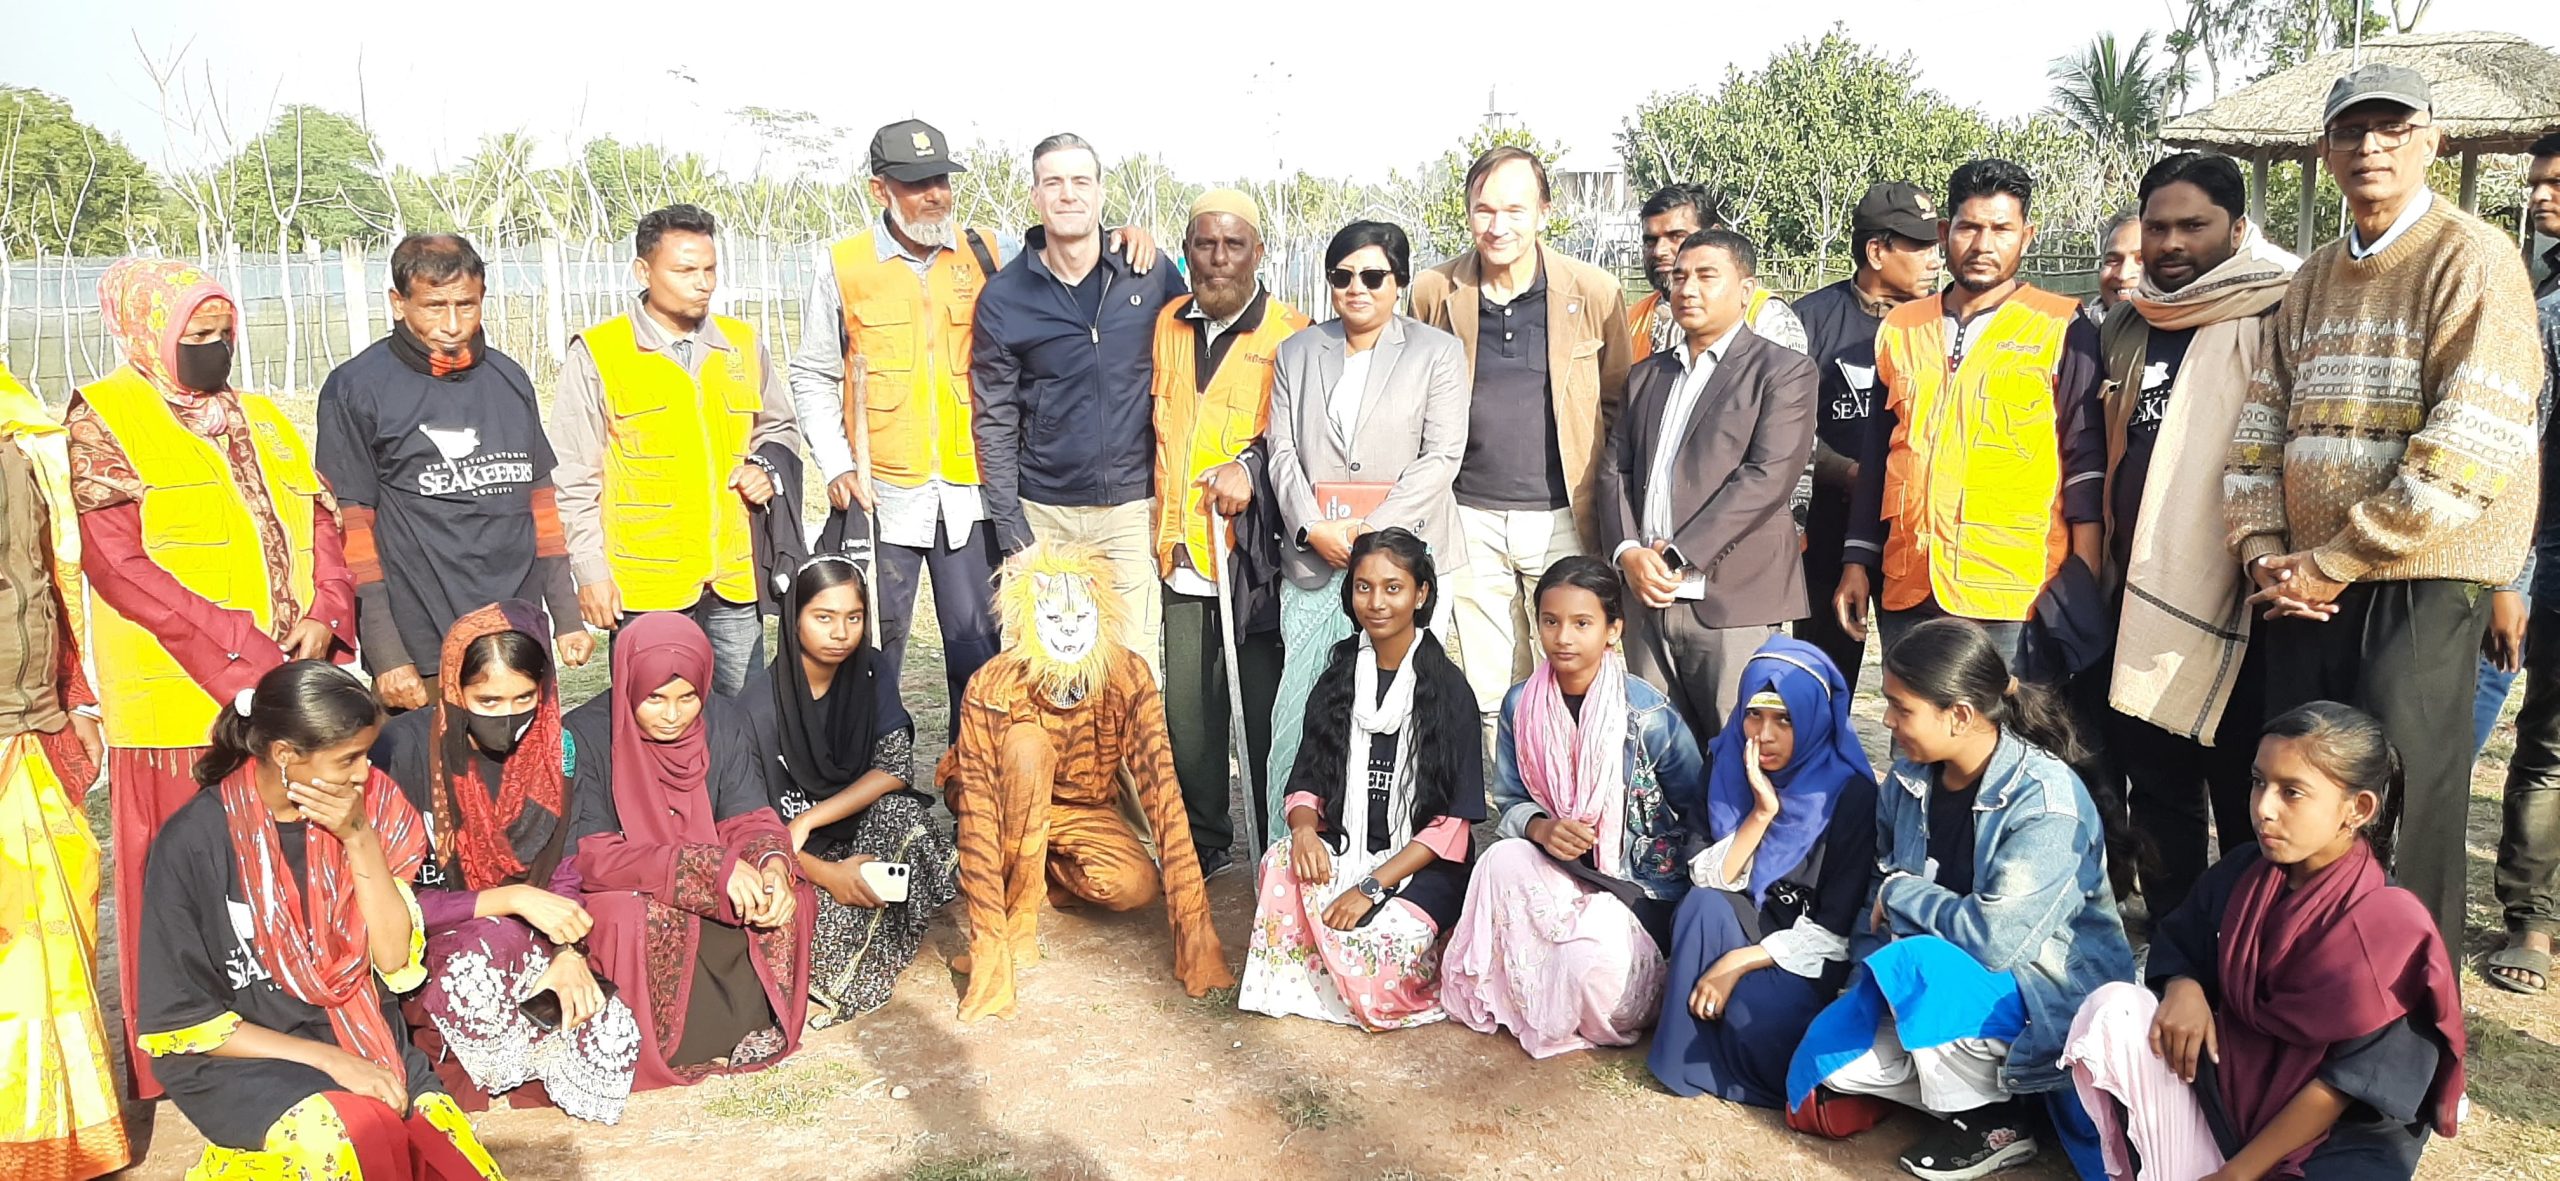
x,y
1371,717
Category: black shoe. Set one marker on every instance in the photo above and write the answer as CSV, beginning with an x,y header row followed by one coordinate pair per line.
x,y
1974,1144
1214,862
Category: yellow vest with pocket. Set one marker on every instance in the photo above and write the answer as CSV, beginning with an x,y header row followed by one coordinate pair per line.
x,y
672,524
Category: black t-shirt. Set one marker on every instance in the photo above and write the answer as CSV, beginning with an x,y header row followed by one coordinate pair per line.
x,y
1088,294
1951,834
2161,360
199,960
1509,466
448,465
1841,337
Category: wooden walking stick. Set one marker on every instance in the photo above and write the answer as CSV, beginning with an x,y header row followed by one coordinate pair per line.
x,y
870,520
1255,813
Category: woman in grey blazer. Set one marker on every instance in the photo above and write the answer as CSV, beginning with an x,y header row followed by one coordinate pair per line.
x,y
1369,398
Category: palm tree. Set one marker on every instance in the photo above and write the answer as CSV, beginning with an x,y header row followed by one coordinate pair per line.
x,y
2117,100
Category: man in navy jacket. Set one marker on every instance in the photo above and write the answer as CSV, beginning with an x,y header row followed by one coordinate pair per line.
x,y
1063,369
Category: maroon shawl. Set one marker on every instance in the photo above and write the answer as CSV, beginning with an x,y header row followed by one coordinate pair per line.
x,y
2302,970
659,788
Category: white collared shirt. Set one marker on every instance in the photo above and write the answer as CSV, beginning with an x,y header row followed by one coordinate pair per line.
x,y
2409,216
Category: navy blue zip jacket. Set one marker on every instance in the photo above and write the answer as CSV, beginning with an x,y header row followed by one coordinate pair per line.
x,y
1064,398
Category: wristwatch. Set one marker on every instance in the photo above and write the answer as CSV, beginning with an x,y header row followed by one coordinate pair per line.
x,y
1370,889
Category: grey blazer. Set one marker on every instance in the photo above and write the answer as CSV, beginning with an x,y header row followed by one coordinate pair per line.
x,y
1747,439
1411,432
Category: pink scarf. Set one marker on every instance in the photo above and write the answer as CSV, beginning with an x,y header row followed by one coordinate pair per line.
x,y
1578,772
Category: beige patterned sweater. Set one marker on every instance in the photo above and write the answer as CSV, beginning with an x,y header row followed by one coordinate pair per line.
x,y
2390,429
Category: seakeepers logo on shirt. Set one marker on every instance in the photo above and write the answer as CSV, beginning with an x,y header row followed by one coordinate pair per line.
x,y
465,468
241,964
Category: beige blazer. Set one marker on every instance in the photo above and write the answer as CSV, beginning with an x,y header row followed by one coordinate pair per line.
x,y
1411,432
1588,353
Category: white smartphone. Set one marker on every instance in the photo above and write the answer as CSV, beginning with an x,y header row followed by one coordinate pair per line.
x,y
887,879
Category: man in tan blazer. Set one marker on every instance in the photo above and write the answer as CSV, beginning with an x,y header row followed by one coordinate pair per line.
x,y
1547,356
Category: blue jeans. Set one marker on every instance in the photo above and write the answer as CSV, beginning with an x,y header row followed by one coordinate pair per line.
x,y
736,632
2490,701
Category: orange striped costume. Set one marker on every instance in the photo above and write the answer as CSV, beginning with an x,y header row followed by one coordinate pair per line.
x,y
1036,789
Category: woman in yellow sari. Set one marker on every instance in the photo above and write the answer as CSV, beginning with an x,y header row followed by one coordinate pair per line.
x,y
58,1117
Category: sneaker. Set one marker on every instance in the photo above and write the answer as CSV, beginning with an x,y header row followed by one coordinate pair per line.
x,y
1214,862
1974,1144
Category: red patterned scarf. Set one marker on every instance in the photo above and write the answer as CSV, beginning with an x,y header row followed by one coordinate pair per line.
x,y
310,934
481,826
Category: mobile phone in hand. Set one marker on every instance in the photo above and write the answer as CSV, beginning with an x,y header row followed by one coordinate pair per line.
x,y
887,880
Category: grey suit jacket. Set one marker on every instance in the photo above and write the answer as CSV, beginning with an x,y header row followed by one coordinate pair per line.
x,y
1747,440
1411,432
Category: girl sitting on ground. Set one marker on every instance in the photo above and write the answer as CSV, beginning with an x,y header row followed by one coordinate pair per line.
x,y
1994,912
1349,909
2309,1023
279,932
1599,786
1791,807
490,767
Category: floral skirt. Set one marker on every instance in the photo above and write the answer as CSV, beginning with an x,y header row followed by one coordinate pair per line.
x,y
1560,962
856,954
1382,975
478,973
58,1112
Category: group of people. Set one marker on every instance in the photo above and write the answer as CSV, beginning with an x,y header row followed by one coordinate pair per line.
x,y
2207,564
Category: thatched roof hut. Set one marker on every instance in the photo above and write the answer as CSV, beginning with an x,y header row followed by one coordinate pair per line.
x,y
2494,92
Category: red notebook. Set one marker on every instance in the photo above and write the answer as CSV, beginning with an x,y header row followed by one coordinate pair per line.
x,y
1342,500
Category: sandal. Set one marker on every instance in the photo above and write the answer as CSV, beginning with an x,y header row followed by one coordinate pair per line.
x,y
2519,959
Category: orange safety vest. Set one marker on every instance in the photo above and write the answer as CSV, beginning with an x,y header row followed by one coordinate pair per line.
x,y
197,526
1199,429
1640,317
672,526
1973,482
913,332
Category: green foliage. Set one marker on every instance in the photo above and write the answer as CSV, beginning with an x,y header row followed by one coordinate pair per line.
x,y
2116,101
65,183
1792,146
1444,203
313,174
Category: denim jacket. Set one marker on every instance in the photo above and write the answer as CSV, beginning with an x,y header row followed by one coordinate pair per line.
x,y
2041,911
1666,790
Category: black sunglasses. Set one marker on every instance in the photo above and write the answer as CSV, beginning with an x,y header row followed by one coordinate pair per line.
x,y
1371,278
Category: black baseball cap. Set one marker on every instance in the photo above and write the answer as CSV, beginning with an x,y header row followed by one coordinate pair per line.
x,y
1898,207
911,151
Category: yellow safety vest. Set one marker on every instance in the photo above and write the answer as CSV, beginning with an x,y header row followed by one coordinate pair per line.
x,y
1199,429
1973,482
672,526
914,334
196,525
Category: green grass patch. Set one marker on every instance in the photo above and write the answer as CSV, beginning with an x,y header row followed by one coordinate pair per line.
x,y
787,1095
1621,1078
989,1166
1311,1105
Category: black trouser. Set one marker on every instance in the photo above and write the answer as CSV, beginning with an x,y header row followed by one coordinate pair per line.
x,y
1826,526
2409,654
2177,784
963,602
2528,876
1196,712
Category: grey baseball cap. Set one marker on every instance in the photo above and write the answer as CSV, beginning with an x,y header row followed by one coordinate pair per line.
x,y
2378,81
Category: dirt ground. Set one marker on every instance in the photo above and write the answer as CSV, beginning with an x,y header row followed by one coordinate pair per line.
x,y
1109,1071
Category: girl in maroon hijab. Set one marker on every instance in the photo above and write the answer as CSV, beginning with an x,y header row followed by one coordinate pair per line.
x,y
701,919
2308,1023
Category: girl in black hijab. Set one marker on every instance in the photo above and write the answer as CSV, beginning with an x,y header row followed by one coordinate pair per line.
x,y
837,749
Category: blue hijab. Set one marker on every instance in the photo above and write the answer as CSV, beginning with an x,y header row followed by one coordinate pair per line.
x,y
1827,757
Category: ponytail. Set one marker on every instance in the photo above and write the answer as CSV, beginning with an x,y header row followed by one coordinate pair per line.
x,y
305,704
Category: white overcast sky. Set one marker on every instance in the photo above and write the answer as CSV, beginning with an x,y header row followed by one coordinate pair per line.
x,y
1342,87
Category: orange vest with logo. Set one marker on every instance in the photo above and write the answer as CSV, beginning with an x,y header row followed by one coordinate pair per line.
x,y
1973,482
1199,429
913,332
197,526
672,525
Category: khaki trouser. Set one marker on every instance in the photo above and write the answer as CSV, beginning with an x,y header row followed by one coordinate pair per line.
x,y
1126,535
1507,552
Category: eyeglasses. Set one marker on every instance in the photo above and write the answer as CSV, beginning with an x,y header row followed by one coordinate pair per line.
x,y
2385,136
1371,278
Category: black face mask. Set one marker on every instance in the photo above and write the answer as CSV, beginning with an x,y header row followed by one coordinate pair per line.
x,y
496,734
205,367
